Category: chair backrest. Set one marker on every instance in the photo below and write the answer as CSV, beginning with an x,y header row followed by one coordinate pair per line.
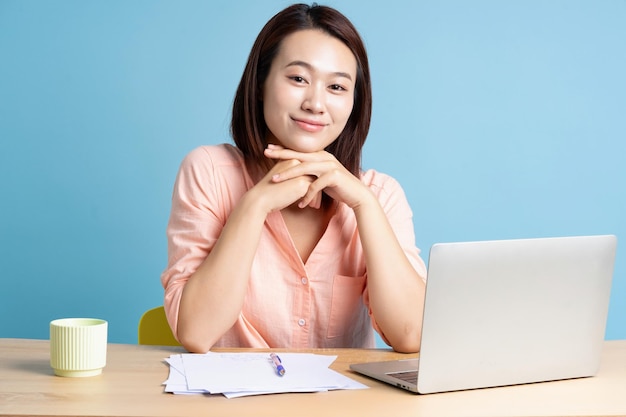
x,y
154,329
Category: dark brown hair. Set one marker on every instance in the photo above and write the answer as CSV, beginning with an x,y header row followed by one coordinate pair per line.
x,y
248,126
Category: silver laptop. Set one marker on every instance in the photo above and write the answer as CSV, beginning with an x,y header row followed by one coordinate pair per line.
x,y
508,312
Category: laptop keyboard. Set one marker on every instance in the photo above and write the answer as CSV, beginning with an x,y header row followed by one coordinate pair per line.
x,y
406,376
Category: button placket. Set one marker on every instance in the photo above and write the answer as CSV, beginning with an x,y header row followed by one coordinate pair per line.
x,y
302,312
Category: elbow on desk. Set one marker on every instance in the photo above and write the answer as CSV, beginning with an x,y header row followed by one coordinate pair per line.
x,y
198,338
410,343
194,344
407,347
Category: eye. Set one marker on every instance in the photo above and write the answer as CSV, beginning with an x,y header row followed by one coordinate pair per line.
x,y
298,79
337,87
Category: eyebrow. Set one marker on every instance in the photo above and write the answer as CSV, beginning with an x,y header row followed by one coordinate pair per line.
x,y
311,68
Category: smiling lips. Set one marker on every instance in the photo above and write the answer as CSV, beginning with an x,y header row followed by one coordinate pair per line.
x,y
309,125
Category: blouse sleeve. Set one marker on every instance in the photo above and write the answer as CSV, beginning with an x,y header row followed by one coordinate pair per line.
x,y
395,205
194,226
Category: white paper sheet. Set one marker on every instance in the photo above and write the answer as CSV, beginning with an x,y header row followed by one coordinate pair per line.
x,y
240,374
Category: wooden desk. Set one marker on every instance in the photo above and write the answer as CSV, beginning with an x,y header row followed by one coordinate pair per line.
x,y
130,385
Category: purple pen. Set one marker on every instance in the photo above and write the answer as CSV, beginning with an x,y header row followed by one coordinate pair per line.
x,y
280,369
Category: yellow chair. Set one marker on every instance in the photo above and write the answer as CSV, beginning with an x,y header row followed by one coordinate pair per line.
x,y
154,329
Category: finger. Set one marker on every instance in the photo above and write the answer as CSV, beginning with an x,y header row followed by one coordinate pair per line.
x,y
313,196
288,192
282,166
273,151
278,152
312,169
286,172
316,201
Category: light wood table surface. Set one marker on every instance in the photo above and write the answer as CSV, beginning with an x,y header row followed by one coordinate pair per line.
x,y
130,385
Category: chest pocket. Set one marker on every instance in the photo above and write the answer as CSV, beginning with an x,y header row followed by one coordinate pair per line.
x,y
346,304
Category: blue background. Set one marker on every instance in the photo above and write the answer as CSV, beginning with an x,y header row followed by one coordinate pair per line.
x,y
501,119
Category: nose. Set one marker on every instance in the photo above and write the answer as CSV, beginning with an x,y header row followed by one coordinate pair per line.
x,y
314,99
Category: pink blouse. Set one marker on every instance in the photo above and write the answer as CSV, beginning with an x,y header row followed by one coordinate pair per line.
x,y
322,303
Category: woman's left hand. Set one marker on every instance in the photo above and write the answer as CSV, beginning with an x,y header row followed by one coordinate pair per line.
x,y
331,176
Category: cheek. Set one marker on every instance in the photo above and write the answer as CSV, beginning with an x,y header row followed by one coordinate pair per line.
x,y
280,101
276,115
342,109
271,107
271,118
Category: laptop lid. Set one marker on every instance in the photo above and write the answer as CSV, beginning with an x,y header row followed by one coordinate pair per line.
x,y
514,311
509,312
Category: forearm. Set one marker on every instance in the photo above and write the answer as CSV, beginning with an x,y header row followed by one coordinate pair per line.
x,y
213,296
396,291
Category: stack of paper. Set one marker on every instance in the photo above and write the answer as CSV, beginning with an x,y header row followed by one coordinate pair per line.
x,y
241,374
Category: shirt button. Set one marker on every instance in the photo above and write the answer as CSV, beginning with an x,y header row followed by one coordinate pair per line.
x,y
302,322
304,280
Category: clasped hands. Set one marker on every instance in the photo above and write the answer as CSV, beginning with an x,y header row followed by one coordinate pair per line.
x,y
299,177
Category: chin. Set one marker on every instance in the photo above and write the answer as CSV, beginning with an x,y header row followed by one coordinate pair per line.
x,y
308,146
306,149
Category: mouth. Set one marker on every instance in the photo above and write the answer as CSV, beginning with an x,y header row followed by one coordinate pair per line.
x,y
309,125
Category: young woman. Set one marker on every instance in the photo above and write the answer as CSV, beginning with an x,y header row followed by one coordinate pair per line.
x,y
282,241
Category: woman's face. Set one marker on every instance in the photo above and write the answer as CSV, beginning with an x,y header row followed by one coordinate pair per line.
x,y
309,92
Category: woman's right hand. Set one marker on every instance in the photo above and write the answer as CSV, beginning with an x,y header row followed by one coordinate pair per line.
x,y
274,196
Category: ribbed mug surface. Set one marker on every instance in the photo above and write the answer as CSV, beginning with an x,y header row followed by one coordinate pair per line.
x,y
78,346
